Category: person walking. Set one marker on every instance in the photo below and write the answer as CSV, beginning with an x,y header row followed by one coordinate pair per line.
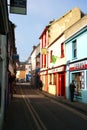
x,y
72,90
40,84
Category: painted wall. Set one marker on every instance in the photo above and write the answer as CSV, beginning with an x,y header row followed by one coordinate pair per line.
x,y
56,48
81,38
81,47
3,77
60,25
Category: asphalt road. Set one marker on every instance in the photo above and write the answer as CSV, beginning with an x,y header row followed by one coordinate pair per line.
x,y
31,110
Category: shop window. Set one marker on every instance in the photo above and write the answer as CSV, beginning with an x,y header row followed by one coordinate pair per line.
x,y
52,79
79,82
74,48
62,50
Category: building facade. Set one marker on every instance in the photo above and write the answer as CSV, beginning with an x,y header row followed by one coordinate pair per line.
x,y
35,65
3,56
52,48
76,58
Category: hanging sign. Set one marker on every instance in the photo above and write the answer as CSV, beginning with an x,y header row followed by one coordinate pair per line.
x,y
15,57
44,51
18,6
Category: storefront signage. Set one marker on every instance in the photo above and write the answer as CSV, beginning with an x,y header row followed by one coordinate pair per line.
x,y
43,73
56,70
18,6
78,65
15,57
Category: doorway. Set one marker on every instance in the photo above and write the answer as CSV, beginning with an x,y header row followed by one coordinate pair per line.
x,y
61,84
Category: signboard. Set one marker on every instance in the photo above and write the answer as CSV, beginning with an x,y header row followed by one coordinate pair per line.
x,y
18,6
78,65
44,51
59,69
15,57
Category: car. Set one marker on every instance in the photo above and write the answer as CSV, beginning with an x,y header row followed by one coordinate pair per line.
x,y
22,80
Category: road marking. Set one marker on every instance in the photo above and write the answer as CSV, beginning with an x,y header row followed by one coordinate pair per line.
x,y
34,114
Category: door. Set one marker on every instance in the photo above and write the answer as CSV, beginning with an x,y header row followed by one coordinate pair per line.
x,y
61,84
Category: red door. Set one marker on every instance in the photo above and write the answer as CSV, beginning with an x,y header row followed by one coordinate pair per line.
x,y
61,84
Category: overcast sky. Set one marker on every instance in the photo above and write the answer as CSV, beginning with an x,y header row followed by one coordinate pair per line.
x,y
39,12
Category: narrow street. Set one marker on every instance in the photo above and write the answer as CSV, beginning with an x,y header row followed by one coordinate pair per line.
x,y
31,110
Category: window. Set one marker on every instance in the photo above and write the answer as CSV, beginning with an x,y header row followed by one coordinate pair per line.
x,y
74,47
51,56
79,79
52,79
62,50
44,60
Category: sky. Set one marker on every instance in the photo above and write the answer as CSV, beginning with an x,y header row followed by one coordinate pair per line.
x,y
39,13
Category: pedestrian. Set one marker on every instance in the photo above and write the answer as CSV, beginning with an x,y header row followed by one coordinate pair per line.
x,y
40,84
72,90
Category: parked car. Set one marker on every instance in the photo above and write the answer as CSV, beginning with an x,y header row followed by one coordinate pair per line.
x,y
21,80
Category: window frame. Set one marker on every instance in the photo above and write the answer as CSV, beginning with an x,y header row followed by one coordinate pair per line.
x,y
74,49
62,50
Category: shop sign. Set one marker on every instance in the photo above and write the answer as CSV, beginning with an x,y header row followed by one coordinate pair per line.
x,y
78,65
18,6
43,73
56,70
15,57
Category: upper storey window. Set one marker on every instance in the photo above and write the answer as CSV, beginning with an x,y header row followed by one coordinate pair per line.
x,y
74,49
62,50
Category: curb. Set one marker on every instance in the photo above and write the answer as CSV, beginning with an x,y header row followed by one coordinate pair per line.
x,y
81,107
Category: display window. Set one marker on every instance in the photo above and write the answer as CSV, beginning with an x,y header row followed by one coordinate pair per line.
x,y
52,79
79,80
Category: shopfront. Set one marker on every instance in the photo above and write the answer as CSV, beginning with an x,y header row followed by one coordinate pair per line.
x,y
44,78
78,73
56,80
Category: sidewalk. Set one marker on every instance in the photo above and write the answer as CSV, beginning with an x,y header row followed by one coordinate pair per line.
x,y
81,107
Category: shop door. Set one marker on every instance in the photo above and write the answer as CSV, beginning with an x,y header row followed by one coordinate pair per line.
x,y
61,85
